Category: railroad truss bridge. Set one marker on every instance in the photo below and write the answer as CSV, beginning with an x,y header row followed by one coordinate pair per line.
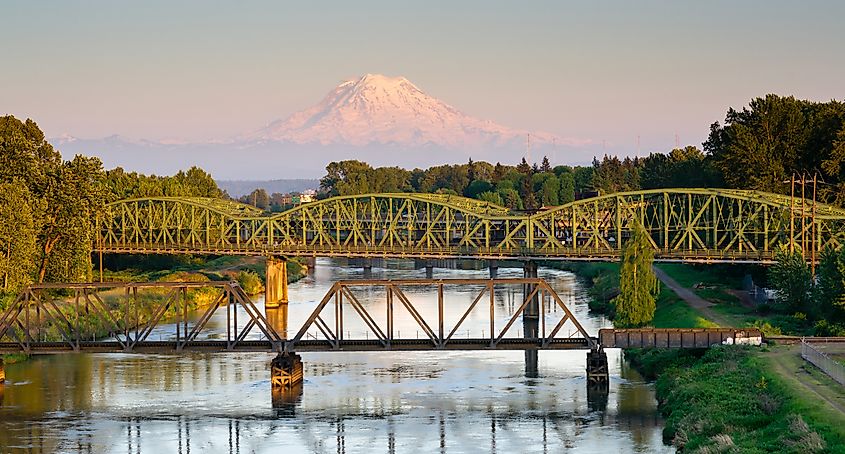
x,y
154,318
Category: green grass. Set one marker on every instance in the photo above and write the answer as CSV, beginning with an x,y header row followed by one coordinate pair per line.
x,y
728,401
13,358
673,312
689,275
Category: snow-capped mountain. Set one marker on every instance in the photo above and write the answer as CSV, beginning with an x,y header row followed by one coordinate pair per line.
x,y
385,121
381,110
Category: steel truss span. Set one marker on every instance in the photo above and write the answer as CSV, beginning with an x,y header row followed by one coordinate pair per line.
x,y
40,321
705,225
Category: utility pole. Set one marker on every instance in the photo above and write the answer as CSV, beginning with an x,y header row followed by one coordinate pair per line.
x,y
813,259
803,218
792,217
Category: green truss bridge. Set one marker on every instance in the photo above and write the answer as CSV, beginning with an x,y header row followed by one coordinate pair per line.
x,y
701,225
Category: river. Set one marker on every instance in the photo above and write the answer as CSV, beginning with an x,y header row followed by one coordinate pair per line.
x,y
446,402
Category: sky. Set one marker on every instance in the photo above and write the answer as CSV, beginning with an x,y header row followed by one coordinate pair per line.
x,y
607,71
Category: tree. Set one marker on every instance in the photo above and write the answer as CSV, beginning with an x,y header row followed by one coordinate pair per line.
x,y
792,279
566,193
549,190
257,198
74,197
511,198
18,236
523,167
545,166
829,291
492,197
477,187
638,285
66,196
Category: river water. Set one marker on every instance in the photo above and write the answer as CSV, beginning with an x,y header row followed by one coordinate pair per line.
x,y
445,402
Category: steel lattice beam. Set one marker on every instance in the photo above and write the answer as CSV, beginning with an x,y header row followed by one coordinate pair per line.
x,y
706,225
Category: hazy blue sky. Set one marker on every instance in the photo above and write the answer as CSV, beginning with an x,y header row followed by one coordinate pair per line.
x,y
599,70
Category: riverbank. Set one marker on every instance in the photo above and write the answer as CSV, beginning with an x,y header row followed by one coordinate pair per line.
x,y
727,399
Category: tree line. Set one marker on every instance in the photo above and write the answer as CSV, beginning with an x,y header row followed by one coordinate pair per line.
x,y
48,204
759,147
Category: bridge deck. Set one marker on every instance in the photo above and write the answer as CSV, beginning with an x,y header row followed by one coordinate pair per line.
x,y
259,346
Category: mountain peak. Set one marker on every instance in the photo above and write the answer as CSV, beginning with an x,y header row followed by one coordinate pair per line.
x,y
379,109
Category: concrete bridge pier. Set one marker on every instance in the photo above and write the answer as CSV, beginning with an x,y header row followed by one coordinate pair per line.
x,y
311,263
368,267
277,317
276,283
494,268
429,269
286,371
598,376
531,319
2,372
284,401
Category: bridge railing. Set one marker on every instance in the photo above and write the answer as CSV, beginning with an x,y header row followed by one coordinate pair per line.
x,y
544,253
820,359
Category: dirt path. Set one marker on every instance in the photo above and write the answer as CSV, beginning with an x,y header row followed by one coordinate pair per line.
x,y
698,303
786,361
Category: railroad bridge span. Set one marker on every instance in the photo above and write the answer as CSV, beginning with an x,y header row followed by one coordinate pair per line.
x,y
44,321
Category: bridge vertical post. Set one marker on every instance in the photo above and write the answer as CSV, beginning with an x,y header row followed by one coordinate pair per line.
x,y
494,268
530,318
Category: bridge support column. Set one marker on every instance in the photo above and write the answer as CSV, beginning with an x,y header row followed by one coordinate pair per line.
x,y
368,267
531,319
286,371
276,283
494,268
598,376
2,371
277,317
429,269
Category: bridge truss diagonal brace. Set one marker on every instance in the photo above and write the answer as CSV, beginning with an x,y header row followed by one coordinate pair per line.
x,y
331,309
41,320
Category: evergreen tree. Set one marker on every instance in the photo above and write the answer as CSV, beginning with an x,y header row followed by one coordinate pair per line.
x,y
792,279
545,166
829,291
638,285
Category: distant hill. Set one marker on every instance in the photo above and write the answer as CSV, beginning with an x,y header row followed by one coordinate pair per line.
x,y
237,188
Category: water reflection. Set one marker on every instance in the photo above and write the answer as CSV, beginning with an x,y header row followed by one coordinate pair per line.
x,y
350,402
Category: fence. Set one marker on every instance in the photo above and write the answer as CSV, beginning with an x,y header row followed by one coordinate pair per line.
x,y
818,358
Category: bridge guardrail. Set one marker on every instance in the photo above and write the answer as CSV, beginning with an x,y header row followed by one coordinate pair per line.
x,y
820,359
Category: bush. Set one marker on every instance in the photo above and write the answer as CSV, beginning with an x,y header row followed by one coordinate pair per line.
x,y
250,282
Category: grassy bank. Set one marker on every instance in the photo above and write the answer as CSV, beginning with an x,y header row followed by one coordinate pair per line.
x,y
727,399
602,282
724,399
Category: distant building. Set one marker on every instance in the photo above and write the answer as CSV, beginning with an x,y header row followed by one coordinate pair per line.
x,y
307,196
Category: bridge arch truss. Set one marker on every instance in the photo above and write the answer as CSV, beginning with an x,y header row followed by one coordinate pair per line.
x,y
708,225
